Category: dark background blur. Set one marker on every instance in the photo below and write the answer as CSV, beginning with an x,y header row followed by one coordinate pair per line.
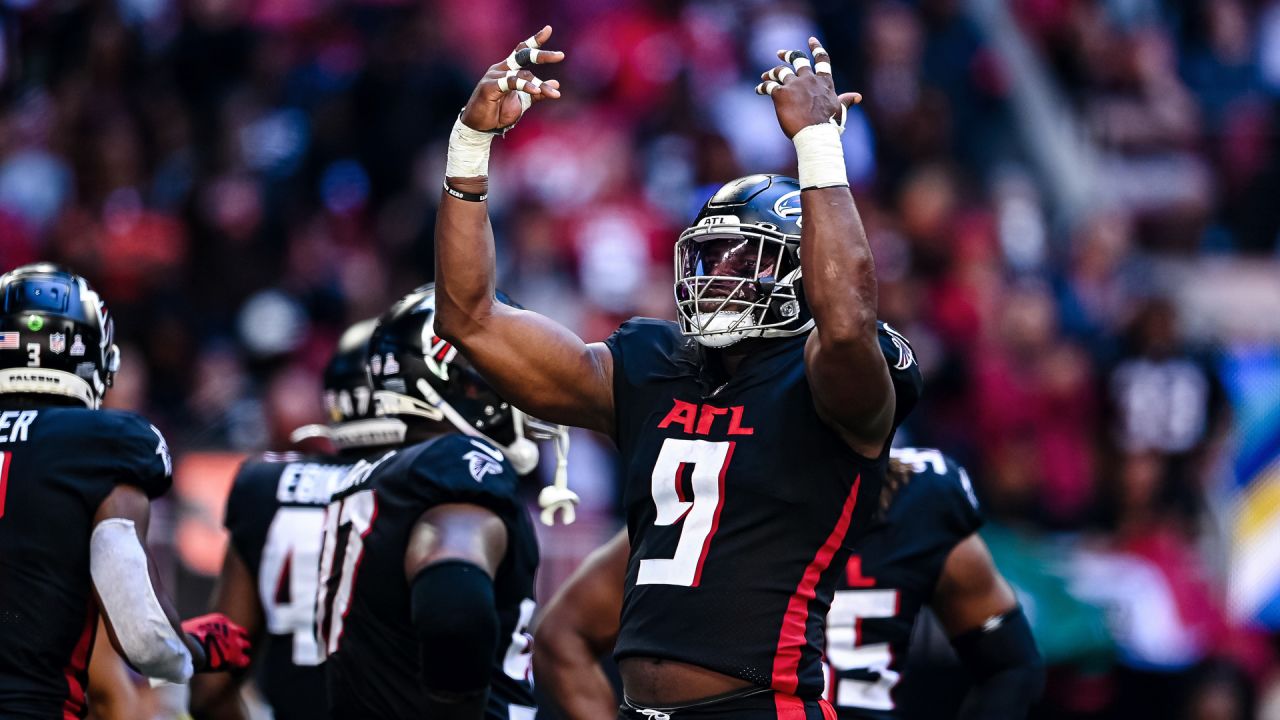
x,y
1074,206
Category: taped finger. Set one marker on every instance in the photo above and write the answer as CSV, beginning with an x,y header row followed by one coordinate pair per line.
x,y
821,58
798,60
780,74
504,82
767,87
532,42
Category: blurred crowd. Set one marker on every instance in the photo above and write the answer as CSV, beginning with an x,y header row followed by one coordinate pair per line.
x,y
1043,183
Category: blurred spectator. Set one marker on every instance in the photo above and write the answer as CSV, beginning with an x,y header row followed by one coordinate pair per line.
x,y
1166,408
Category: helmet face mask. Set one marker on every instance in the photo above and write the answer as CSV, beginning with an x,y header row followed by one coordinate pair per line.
x,y
737,269
420,379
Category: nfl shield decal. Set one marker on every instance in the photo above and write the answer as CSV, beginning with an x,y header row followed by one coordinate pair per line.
x,y
57,343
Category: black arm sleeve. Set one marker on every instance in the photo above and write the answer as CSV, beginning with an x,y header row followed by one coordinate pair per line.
x,y
456,620
1007,669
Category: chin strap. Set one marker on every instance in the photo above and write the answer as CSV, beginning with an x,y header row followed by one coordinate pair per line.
x,y
557,497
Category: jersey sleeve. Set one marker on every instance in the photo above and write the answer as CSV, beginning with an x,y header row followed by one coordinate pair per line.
x,y
140,455
904,371
957,504
642,348
468,470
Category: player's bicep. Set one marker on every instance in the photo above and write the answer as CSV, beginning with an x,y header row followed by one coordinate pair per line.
x,y
543,368
852,389
456,531
126,502
970,590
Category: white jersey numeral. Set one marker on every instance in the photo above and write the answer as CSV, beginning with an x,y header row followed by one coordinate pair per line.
x,y
700,514
921,459
353,514
290,555
846,652
519,657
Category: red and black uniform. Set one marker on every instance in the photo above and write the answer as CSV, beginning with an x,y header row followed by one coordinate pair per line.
x,y
742,506
363,615
57,465
275,515
889,577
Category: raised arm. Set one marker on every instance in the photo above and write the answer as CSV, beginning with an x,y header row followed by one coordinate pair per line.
x,y
980,613
851,385
579,626
538,364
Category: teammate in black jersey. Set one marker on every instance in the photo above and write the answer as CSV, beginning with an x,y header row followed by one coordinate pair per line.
x,y
427,567
923,549
275,514
75,484
753,434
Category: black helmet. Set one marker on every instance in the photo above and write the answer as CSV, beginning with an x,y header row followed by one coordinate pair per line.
x,y
417,377
738,266
353,423
347,393
56,336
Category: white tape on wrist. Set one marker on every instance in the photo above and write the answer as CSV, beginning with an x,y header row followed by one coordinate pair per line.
x,y
468,152
118,567
820,157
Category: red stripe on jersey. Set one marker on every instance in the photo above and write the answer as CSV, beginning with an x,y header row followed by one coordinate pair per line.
x,y
788,707
73,708
791,639
715,519
4,478
680,485
828,712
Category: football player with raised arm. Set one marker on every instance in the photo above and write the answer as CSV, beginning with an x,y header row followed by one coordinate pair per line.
x,y
428,560
75,488
275,514
922,550
753,433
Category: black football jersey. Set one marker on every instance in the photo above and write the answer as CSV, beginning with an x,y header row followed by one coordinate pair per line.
x,y
363,620
890,575
275,515
741,505
57,465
